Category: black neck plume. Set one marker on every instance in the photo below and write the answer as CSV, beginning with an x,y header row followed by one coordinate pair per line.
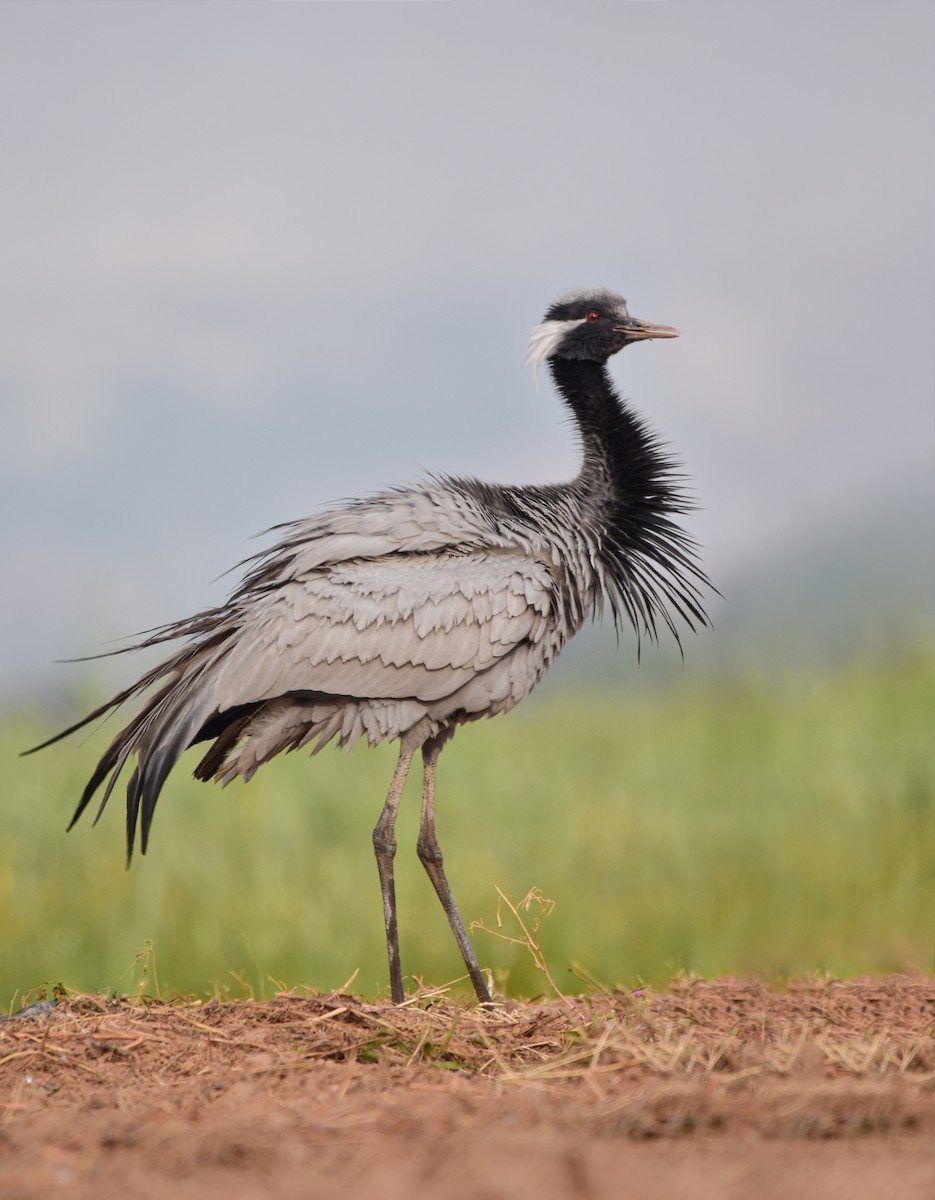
x,y
628,481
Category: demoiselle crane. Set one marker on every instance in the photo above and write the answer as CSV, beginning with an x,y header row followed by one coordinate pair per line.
x,y
407,614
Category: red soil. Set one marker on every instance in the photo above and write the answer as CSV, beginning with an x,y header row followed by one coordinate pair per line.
x,y
721,1089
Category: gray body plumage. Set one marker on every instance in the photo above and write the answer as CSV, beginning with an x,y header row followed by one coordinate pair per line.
x,y
409,613
401,617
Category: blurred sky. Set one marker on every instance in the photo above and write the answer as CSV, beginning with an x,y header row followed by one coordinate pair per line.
x,y
260,257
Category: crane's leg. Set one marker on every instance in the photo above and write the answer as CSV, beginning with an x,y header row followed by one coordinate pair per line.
x,y
384,846
431,856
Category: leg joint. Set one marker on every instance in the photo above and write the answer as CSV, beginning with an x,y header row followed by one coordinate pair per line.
x,y
429,852
384,843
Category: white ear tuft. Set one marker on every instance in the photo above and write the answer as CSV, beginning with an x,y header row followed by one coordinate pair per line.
x,y
545,340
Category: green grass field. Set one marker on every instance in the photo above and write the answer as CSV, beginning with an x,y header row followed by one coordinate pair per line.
x,y
777,827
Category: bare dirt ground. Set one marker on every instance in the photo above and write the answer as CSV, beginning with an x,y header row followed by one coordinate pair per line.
x,y
720,1089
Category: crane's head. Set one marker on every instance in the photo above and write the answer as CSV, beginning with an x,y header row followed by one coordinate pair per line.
x,y
590,324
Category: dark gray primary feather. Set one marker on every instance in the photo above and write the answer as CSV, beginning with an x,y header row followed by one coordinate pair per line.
x,y
409,613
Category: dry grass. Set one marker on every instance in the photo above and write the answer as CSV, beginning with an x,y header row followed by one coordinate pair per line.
x,y
735,1033
132,1096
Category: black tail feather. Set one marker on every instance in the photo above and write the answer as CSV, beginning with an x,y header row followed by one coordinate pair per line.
x,y
158,734
133,809
227,736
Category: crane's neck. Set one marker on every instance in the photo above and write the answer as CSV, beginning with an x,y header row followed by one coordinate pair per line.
x,y
622,460
626,502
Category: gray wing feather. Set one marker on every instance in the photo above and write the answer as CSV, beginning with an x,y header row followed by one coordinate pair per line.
x,y
423,520
397,628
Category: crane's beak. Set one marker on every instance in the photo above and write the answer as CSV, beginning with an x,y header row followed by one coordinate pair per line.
x,y
638,331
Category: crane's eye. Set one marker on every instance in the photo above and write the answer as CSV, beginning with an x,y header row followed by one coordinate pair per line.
x,y
594,315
